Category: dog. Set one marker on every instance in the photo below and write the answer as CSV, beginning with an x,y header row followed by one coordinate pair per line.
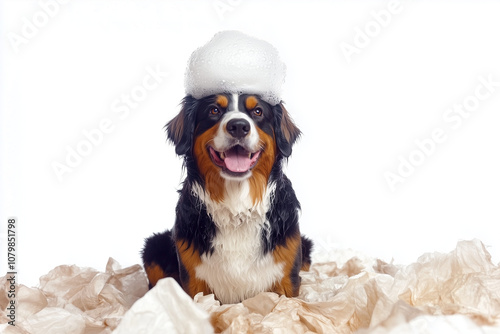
x,y
236,232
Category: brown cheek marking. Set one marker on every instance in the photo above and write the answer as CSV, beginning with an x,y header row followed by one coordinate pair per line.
x,y
222,101
214,183
251,102
155,273
287,255
262,170
190,258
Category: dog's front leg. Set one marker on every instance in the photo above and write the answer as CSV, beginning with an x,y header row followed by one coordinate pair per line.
x,y
189,259
290,255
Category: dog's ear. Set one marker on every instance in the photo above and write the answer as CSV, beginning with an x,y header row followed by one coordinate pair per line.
x,y
286,131
180,129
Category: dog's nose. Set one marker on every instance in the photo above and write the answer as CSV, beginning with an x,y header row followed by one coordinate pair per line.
x,y
238,127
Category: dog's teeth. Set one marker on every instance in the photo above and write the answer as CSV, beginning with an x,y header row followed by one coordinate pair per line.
x,y
222,155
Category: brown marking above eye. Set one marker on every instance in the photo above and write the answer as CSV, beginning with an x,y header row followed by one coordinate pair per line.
x,y
222,101
251,102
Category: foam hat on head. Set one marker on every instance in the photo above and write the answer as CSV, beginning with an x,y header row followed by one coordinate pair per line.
x,y
232,62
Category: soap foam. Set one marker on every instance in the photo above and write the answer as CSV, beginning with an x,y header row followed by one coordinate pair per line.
x,y
233,62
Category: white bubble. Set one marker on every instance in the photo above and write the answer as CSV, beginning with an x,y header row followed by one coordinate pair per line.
x,y
233,62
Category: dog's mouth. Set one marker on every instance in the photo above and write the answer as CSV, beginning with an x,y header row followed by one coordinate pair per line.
x,y
236,160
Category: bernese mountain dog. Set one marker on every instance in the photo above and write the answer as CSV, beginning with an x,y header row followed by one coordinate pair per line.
x,y
236,232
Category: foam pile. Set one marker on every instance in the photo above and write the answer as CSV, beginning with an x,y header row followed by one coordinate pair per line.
x,y
233,62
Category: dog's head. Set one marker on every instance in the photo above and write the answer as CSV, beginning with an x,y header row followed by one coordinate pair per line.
x,y
233,136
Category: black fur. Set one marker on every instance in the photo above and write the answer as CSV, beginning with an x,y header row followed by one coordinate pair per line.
x,y
192,223
160,249
285,146
283,214
307,248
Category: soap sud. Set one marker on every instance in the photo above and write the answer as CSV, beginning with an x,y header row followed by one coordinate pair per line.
x,y
232,62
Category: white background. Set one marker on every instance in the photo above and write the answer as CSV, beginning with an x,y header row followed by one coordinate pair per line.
x,y
358,117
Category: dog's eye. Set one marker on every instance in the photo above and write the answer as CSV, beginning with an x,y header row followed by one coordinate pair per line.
x,y
214,111
257,112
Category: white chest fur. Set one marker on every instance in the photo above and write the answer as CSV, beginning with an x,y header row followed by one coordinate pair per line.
x,y
237,270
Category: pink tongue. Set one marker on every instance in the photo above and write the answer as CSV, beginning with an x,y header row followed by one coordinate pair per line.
x,y
237,160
